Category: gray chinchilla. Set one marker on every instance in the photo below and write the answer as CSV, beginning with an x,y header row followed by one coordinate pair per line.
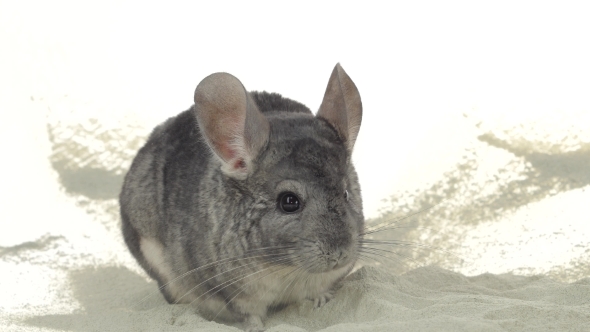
x,y
247,202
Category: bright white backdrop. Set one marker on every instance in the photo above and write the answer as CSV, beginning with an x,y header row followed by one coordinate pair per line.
x,y
418,65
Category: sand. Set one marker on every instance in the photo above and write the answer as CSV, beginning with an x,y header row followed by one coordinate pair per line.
x,y
425,299
483,156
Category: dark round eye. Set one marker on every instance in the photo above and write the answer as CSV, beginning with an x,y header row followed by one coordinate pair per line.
x,y
346,195
289,202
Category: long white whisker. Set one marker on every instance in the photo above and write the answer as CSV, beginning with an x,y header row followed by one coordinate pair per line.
x,y
374,251
295,273
243,286
310,264
233,281
224,272
409,245
388,223
227,260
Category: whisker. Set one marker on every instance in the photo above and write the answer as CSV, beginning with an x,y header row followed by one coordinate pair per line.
x,y
398,226
224,272
361,256
401,243
304,267
234,280
227,260
286,279
388,223
376,253
243,288
295,274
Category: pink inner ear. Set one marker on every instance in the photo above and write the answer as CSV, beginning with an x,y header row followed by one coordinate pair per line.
x,y
239,164
228,154
225,151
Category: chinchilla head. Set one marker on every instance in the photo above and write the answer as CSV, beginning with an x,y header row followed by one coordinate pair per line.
x,y
293,168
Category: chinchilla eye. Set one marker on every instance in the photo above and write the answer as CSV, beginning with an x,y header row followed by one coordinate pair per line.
x,y
346,195
289,202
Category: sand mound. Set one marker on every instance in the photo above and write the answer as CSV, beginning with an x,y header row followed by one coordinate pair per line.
x,y
371,299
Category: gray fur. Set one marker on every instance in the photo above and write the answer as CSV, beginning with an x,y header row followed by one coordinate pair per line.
x,y
202,197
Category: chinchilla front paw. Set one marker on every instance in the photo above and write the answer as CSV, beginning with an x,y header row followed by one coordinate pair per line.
x,y
324,298
254,324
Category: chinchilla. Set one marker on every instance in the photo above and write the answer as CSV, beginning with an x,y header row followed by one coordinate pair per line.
x,y
247,202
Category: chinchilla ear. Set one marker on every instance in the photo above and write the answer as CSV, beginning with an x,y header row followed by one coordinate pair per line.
x,y
232,125
342,106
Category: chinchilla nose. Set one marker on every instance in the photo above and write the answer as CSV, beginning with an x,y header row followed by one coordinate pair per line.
x,y
336,258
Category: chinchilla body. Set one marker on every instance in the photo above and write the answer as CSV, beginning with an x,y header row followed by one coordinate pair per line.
x,y
247,201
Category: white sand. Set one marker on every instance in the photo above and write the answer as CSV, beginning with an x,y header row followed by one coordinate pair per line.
x,y
489,131
426,299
